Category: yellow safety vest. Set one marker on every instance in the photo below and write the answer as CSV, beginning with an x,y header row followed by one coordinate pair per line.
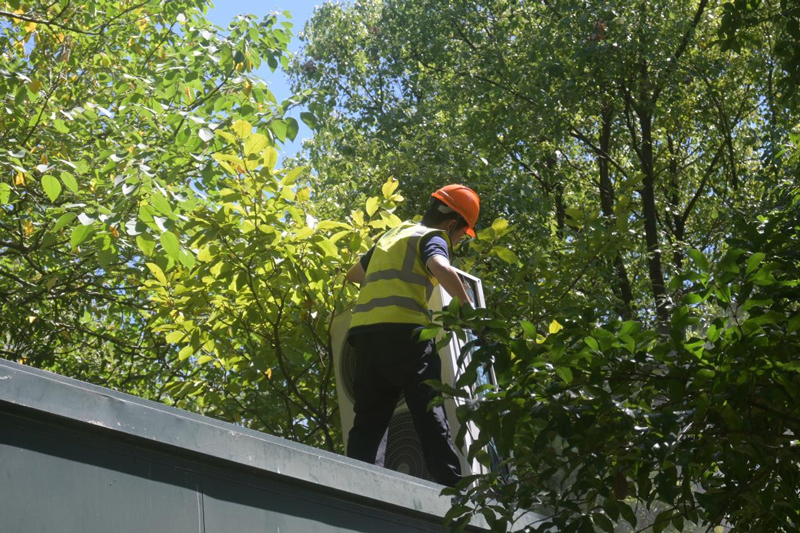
x,y
397,285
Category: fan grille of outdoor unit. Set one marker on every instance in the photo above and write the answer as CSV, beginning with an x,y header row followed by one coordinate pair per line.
x,y
404,449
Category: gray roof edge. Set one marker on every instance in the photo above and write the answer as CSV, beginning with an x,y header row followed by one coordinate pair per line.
x,y
81,402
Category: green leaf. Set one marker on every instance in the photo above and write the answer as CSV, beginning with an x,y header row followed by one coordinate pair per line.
x,y
63,220
754,261
662,521
70,182
60,126
728,263
5,193
161,204
278,127
429,333
106,256
187,259
80,234
592,343
328,247
171,245
731,417
203,359
603,522
309,119
292,175
505,254
699,259
292,128
565,373
627,513
529,329
51,186
158,273
146,245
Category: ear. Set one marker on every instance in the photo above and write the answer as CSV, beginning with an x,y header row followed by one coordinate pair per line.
x,y
450,225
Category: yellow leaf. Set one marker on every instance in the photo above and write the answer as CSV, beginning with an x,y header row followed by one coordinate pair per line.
x,y
358,217
555,327
185,353
29,27
32,319
157,272
247,88
34,86
28,227
268,373
500,225
19,179
372,205
255,144
389,187
242,128
270,157
175,337
204,255
142,24
303,194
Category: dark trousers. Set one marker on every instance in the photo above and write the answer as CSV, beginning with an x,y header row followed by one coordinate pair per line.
x,y
390,363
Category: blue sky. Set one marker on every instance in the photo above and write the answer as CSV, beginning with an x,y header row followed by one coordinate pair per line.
x,y
226,10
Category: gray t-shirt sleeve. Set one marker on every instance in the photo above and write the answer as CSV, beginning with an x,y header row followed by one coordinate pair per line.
x,y
433,245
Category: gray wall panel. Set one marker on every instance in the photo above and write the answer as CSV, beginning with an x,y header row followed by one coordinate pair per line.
x,y
55,482
80,458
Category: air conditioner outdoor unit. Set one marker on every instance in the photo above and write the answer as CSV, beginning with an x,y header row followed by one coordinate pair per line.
x,y
403,448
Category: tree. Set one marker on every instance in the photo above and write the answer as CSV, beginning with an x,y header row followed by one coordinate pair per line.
x,y
518,101
700,424
147,241
628,156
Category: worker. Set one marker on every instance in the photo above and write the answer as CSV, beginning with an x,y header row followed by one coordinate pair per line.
x,y
397,276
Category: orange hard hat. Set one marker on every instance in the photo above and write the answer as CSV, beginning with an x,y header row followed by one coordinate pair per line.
x,y
463,201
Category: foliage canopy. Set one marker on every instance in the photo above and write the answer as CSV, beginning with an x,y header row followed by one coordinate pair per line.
x,y
636,164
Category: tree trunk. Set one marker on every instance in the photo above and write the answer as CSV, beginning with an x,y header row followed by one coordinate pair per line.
x,y
607,205
655,271
677,221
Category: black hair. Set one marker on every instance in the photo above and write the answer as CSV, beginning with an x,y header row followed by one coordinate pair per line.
x,y
438,212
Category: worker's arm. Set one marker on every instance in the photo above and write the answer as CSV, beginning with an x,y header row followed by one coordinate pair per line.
x,y
356,273
440,267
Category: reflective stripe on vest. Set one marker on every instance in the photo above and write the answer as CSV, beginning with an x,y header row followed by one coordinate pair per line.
x,y
397,285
